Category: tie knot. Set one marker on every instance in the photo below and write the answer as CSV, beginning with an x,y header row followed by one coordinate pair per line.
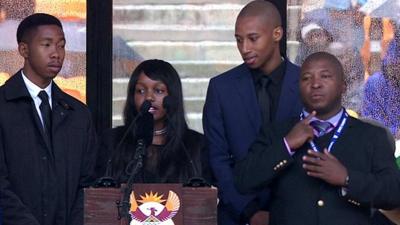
x,y
43,96
322,127
264,81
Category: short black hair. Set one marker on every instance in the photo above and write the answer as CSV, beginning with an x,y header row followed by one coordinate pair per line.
x,y
33,21
326,56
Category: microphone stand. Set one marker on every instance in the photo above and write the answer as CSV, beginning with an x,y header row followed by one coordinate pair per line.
x,y
145,127
124,206
107,180
196,180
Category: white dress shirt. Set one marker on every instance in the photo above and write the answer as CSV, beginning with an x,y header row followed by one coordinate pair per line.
x,y
34,91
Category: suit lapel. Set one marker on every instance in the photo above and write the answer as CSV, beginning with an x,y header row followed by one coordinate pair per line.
x,y
289,96
341,145
15,89
61,107
60,112
245,86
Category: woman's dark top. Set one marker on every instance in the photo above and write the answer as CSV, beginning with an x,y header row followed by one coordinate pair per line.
x,y
156,169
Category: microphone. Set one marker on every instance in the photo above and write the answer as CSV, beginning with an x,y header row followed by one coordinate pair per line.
x,y
107,180
145,128
144,137
170,105
144,108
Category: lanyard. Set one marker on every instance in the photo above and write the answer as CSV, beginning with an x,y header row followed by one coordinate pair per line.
x,y
336,135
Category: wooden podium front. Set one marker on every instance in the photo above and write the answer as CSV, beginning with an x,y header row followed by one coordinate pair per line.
x,y
198,206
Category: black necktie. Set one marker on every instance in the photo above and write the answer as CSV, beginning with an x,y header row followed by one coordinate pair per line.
x,y
45,110
264,99
322,127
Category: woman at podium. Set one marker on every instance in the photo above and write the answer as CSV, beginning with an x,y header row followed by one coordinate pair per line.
x,y
155,144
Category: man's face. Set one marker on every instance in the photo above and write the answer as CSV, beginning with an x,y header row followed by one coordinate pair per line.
x,y
44,53
321,87
256,40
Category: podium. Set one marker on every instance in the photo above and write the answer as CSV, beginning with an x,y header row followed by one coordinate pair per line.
x,y
151,203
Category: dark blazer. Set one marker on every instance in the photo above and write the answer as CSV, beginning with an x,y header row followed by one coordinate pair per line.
x,y
362,148
231,121
40,183
194,143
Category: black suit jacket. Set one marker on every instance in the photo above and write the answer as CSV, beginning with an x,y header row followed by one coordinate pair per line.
x,y
40,183
362,148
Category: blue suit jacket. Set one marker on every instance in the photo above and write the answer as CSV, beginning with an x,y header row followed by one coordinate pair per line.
x,y
232,120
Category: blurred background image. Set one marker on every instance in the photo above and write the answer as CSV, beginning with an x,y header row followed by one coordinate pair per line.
x,y
364,35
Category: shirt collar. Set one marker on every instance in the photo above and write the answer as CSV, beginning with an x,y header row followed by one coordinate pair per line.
x,y
276,76
34,89
334,120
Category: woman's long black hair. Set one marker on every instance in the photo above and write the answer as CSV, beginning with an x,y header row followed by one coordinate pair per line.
x,y
170,161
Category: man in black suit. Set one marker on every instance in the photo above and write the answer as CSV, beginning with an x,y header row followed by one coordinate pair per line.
x,y
327,168
47,140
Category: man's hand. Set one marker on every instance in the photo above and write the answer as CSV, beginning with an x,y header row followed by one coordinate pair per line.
x,y
260,218
326,167
301,132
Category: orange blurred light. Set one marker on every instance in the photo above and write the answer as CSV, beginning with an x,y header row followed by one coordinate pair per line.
x,y
64,9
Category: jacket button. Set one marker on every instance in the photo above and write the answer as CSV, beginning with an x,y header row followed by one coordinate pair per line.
x,y
320,203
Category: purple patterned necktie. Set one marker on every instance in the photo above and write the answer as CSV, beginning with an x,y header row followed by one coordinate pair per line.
x,y
322,127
